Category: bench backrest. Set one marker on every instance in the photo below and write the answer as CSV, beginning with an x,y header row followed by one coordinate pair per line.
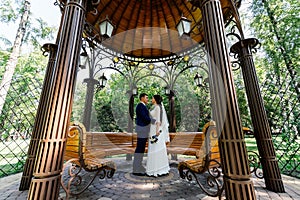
x,y
82,144
211,147
186,139
76,143
108,139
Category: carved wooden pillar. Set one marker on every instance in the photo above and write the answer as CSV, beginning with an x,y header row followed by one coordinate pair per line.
x,y
37,131
262,130
234,158
56,113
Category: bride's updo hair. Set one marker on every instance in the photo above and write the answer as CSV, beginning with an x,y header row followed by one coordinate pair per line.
x,y
158,98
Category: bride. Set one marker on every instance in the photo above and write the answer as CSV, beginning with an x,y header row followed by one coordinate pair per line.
x,y
157,160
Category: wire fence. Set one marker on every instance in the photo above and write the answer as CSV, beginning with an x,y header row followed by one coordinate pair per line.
x,y
16,122
281,95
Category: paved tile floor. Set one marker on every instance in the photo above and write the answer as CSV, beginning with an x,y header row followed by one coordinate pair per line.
x,y
124,185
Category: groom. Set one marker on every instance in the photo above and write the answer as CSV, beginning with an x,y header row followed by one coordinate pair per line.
x,y
143,121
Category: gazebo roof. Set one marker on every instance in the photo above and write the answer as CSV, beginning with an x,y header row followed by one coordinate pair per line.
x,y
147,28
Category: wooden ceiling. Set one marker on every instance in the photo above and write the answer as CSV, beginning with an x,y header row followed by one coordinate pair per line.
x,y
147,28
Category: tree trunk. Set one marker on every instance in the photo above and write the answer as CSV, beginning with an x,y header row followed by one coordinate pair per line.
x,y
13,59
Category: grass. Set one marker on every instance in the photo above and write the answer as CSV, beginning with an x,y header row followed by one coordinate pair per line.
x,y
12,156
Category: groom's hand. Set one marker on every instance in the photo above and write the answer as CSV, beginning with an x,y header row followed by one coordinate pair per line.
x,y
153,121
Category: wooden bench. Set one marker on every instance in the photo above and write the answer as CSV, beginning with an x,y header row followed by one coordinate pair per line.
x,y
208,160
80,155
104,144
185,143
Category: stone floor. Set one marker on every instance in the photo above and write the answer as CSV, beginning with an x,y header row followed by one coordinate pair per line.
x,y
124,185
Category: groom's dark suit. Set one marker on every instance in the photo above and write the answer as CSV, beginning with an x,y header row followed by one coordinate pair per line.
x,y
143,122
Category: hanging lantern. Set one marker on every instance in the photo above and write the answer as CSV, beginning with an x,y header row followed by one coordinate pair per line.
x,y
106,28
102,81
134,90
184,27
167,90
83,60
198,80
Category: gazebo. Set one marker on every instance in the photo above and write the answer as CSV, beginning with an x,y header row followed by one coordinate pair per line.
x,y
158,30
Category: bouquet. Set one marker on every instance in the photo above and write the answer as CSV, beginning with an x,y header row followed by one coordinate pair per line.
x,y
154,138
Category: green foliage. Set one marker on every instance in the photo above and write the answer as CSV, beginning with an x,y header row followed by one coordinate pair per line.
x,y
111,105
78,103
38,32
23,96
242,100
4,56
276,25
8,12
104,112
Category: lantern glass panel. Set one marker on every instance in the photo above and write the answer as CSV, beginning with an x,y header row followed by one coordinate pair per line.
x,y
180,28
103,27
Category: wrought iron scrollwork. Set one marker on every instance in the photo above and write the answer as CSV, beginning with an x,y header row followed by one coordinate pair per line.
x,y
75,179
255,164
47,48
92,7
236,65
61,5
212,184
255,45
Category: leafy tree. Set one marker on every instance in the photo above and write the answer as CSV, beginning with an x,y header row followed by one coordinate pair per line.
x,y
276,25
8,12
33,36
13,59
23,96
112,103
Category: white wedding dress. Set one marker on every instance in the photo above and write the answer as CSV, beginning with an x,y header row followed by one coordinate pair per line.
x,y
157,158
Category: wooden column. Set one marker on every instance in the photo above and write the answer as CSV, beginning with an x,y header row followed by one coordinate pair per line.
x,y
56,113
131,112
37,130
89,97
234,158
262,130
172,120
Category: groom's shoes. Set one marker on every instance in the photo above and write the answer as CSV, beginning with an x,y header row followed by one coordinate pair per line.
x,y
139,174
142,169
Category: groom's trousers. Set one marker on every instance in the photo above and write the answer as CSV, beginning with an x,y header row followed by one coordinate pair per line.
x,y
138,155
